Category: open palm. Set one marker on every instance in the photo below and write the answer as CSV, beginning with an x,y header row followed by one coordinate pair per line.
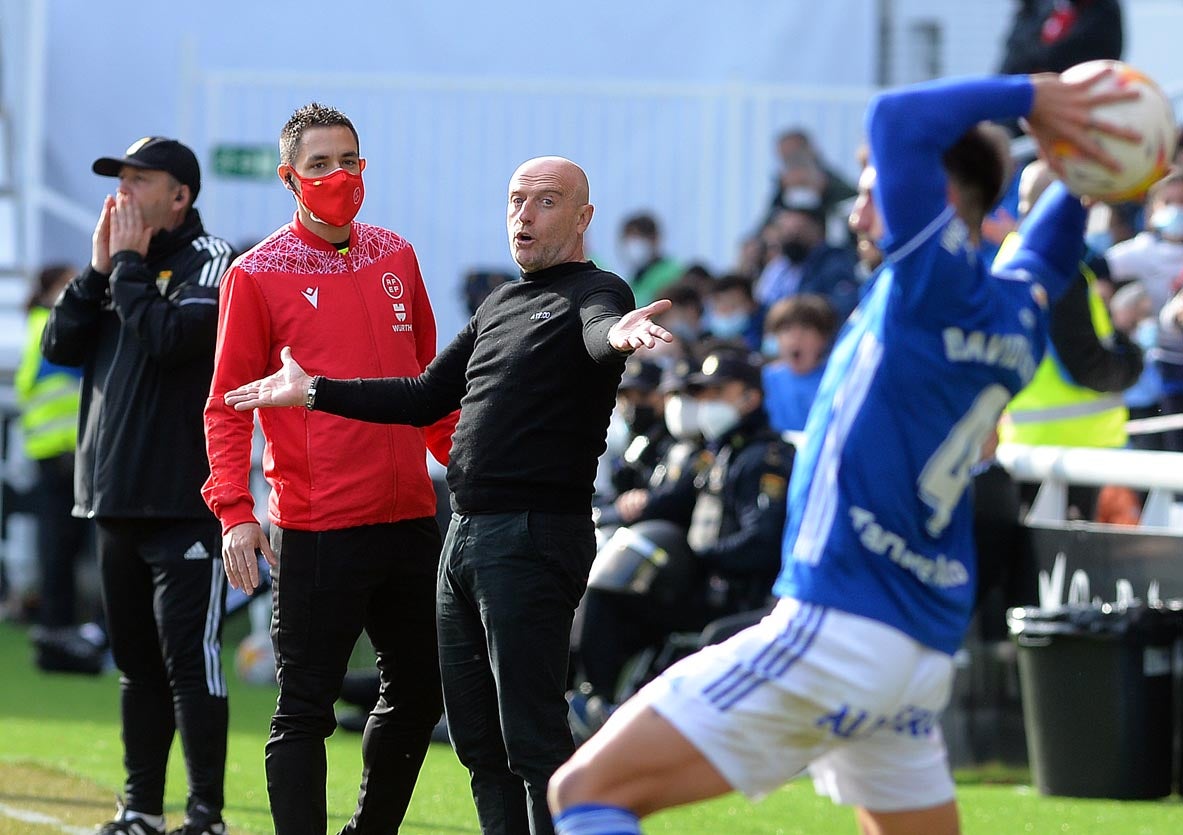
x,y
286,387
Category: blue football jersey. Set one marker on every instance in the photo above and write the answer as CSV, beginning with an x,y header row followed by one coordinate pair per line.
x,y
880,521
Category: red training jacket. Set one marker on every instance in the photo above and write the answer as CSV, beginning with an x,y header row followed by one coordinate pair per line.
x,y
364,313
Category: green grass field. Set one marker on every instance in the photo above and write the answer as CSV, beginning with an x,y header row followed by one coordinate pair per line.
x,y
60,770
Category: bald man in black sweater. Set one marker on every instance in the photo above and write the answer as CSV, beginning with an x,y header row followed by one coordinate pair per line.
x,y
535,374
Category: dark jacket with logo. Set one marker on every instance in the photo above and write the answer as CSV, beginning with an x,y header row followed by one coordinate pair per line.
x,y
145,338
734,504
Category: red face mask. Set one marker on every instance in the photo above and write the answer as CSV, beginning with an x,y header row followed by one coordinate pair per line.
x,y
334,200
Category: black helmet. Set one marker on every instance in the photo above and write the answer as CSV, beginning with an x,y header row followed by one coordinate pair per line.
x,y
650,558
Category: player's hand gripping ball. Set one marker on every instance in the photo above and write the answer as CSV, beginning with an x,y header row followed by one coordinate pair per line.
x,y
1142,163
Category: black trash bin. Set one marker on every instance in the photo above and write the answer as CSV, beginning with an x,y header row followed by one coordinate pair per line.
x,y
1096,687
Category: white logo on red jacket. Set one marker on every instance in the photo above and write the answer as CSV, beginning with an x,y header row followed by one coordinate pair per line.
x,y
400,313
312,294
393,286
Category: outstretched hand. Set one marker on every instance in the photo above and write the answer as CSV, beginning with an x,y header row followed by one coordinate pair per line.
x,y
286,387
638,330
1062,112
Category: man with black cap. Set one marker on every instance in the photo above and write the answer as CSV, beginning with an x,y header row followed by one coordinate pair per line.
x,y
141,321
641,405
734,505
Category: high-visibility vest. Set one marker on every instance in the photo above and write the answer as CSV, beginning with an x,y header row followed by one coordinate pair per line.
x,y
48,395
1055,411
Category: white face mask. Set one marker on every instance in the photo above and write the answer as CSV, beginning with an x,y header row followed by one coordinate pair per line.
x,y
618,436
1168,220
681,417
636,252
716,418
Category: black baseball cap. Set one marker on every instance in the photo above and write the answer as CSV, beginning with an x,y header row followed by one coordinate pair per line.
x,y
640,375
723,366
156,153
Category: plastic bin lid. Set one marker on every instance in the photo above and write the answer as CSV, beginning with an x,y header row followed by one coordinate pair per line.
x,y
1159,622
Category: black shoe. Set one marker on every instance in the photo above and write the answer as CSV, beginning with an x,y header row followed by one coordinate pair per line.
x,y
122,825
66,650
200,820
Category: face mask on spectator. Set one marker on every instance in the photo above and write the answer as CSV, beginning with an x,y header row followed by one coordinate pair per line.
x,y
618,436
1168,222
727,325
716,418
1099,242
795,251
636,252
681,417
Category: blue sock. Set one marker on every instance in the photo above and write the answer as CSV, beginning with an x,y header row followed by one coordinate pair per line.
x,y
596,819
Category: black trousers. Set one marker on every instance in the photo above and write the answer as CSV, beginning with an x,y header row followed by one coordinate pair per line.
x,y
164,594
61,539
327,588
508,587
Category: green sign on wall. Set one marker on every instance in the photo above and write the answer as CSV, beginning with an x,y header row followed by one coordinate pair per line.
x,y
245,162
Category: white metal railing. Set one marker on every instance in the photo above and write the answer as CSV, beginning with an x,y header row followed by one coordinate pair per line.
x,y
1056,467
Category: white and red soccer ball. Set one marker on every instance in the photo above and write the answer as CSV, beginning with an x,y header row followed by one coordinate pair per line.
x,y
1142,163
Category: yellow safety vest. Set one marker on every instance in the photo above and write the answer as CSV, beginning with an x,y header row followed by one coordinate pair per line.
x,y
1054,411
48,396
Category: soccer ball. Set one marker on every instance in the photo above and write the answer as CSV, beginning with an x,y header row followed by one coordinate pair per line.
x,y
254,659
1142,163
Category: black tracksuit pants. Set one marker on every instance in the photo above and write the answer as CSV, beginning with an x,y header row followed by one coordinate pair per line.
x,y
164,594
328,587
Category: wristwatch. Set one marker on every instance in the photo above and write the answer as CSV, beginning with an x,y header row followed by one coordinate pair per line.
x,y
310,398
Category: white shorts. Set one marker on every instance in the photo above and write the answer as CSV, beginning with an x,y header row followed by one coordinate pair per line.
x,y
851,699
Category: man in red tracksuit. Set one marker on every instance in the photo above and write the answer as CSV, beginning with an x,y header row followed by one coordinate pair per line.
x,y
354,542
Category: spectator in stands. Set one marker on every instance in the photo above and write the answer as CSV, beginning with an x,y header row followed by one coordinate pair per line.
x,y
805,263
732,313
642,406
1074,399
1053,35
48,396
734,504
1131,312
1155,255
803,178
477,284
803,327
685,318
648,270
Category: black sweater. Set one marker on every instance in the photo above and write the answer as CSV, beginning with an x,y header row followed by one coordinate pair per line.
x,y
535,380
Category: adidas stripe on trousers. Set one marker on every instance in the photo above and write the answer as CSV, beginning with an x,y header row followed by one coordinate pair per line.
x,y
164,595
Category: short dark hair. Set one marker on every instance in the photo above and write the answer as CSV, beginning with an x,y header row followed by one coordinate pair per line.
x,y
48,278
683,293
806,309
643,224
979,164
311,115
733,281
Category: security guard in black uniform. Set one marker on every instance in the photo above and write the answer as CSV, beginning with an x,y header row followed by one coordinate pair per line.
x,y
733,501
642,407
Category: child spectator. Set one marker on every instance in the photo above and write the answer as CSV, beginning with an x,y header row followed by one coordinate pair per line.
x,y
803,327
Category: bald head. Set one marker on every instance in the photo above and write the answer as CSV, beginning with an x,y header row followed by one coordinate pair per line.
x,y
548,213
557,169
1033,182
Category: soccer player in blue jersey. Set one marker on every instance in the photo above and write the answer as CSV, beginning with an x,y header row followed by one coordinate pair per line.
x,y
849,674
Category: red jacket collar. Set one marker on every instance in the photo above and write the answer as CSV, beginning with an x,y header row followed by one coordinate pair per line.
x,y
316,241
